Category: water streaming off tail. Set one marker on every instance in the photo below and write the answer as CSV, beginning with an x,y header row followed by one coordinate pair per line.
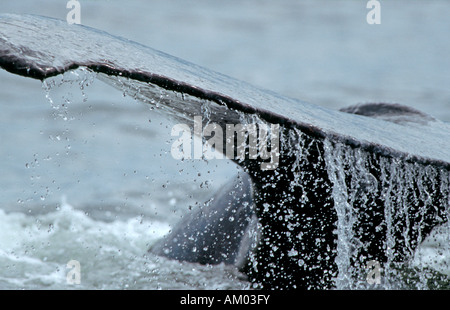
x,y
386,208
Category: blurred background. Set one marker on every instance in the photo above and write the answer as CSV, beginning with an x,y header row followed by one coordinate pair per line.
x,y
320,51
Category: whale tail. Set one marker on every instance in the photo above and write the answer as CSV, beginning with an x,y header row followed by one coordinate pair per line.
x,y
222,231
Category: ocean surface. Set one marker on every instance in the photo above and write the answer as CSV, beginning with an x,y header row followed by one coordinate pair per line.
x,y
87,174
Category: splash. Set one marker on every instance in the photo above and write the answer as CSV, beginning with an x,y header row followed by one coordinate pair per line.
x,y
385,208
59,90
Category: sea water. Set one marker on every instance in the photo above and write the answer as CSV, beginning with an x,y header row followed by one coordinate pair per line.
x,y
104,212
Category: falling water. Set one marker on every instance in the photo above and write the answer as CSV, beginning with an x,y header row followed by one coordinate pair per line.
x,y
385,207
398,202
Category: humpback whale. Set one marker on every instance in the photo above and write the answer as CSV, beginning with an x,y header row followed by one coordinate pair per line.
x,y
366,183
